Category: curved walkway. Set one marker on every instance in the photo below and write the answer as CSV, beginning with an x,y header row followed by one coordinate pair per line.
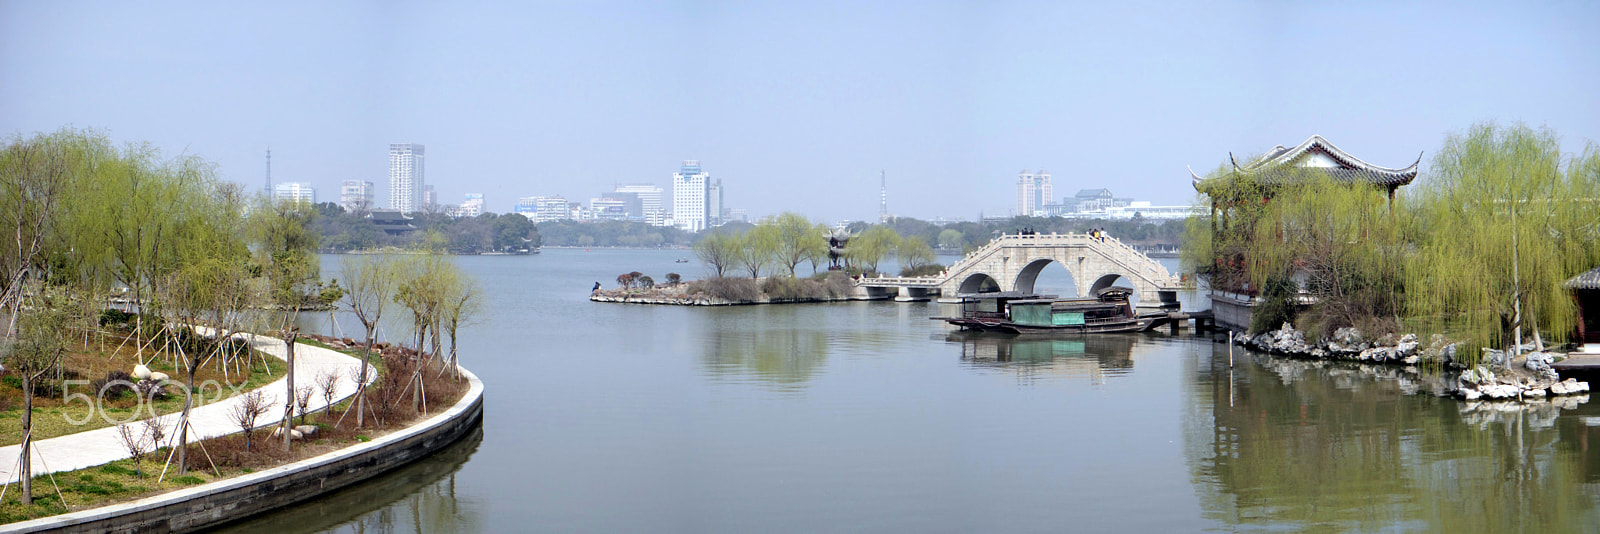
x,y
101,446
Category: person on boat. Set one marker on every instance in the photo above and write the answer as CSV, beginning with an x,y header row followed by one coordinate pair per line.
x,y
596,287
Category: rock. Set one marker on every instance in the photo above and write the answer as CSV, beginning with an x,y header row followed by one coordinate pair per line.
x,y
1537,361
1348,336
1536,393
307,430
1500,391
293,434
1558,388
1406,348
1410,360
1408,338
141,372
1388,340
1448,353
158,377
1470,394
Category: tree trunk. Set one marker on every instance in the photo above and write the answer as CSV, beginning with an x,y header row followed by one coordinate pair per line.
x,y
27,440
289,336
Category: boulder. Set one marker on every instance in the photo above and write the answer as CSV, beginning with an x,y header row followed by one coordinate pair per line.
x,y
158,376
141,372
307,430
1537,393
1500,391
1537,361
1470,394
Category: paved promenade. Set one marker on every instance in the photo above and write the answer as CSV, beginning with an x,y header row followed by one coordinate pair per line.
x,y
96,447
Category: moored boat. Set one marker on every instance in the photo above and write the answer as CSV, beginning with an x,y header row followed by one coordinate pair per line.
x,y
1021,313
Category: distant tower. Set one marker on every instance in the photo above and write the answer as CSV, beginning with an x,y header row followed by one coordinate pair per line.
x,y
883,197
269,172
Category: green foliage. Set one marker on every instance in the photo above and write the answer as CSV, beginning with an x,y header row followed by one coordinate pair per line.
x,y
931,269
914,253
1277,305
717,250
611,234
1505,219
872,245
732,289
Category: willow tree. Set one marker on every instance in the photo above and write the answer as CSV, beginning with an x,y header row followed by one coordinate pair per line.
x,y
872,246
36,350
1506,221
34,176
796,241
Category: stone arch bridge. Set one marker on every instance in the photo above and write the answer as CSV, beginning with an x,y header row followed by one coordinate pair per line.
x,y
1013,263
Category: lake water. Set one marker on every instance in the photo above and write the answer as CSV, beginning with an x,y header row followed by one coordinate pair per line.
x,y
867,416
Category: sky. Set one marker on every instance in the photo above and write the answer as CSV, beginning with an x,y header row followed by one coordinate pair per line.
x,y
794,106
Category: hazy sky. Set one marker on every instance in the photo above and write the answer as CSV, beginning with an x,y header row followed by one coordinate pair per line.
x,y
794,106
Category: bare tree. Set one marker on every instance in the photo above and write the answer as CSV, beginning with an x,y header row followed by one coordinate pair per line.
x,y
251,405
133,441
302,399
328,383
152,426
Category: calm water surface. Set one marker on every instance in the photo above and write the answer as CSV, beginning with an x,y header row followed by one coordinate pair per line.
x,y
867,416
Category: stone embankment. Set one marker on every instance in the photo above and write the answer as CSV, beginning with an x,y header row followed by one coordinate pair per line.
x,y
1529,378
684,299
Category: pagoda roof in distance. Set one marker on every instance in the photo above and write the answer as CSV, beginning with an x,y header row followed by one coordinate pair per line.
x,y
1318,154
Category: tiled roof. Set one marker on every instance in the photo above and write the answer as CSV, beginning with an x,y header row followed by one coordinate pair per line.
x,y
1271,167
1588,280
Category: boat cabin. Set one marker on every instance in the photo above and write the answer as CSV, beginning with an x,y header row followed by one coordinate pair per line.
x,y
1108,305
993,305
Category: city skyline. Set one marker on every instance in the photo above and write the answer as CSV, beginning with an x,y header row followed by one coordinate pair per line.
x,y
522,100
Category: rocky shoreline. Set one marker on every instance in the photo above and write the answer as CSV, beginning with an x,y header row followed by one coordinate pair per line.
x,y
1528,378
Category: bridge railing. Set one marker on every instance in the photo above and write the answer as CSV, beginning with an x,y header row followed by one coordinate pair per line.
x,y
1125,256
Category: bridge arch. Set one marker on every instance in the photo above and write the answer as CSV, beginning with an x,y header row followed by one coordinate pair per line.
x,y
1028,277
1110,279
979,283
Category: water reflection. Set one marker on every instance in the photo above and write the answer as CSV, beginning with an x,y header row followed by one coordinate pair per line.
x,y
420,497
1310,446
1096,357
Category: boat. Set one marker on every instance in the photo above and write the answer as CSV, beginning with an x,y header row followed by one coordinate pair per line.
x,y
681,260
1109,310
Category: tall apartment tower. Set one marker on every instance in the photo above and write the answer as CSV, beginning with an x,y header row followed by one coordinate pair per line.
x,y
405,177
355,196
1033,191
690,187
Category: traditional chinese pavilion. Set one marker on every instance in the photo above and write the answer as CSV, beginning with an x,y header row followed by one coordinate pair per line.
x,y
1282,166
1279,167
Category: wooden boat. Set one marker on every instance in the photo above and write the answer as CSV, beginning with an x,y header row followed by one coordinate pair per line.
x,y
1017,313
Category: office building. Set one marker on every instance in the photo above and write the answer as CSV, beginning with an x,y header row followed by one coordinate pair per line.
x,y
651,210
473,206
356,196
1033,192
544,209
295,192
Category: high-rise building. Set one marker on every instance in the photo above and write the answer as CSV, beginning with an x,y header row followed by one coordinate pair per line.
x,y
714,203
295,192
355,196
649,202
690,188
608,209
405,177
473,206
1033,192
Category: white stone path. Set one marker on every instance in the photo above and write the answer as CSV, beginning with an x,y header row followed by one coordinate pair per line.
x,y
96,447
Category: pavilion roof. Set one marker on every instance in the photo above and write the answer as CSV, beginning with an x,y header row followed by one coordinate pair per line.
x,y
1589,280
1318,155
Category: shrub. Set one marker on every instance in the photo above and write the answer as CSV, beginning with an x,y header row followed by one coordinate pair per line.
x,y
838,284
1278,304
114,385
113,317
733,289
780,288
924,270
